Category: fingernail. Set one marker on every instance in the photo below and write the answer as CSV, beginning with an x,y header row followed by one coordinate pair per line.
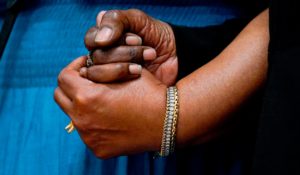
x,y
149,54
83,72
133,41
99,17
103,35
135,69
102,12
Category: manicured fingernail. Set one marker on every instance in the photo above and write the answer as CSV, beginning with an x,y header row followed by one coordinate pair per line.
x,y
133,40
149,54
135,69
103,35
83,72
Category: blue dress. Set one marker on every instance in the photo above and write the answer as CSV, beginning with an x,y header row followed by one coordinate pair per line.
x,y
47,35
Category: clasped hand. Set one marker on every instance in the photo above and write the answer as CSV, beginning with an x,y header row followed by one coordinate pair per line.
x,y
117,106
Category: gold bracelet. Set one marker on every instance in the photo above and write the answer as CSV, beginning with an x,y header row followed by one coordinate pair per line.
x,y
169,130
176,110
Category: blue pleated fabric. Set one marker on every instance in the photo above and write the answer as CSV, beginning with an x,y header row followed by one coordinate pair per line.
x,y
47,35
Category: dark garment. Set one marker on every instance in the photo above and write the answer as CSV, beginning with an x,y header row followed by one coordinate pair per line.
x,y
197,46
232,153
278,139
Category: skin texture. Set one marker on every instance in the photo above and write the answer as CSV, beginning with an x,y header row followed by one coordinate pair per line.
x,y
154,33
129,49
108,127
123,118
210,94
119,63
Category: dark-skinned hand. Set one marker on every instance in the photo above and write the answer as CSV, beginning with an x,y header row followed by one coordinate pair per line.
x,y
113,25
111,118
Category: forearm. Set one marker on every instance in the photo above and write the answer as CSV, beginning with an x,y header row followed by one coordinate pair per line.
x,y
210,94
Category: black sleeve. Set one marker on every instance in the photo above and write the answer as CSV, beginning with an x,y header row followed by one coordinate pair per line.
x,y
197,46
278,138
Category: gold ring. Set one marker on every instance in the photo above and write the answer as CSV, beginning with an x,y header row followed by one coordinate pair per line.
x,y
70,127
89,62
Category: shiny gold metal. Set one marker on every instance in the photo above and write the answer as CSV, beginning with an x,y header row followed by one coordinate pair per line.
x,y
70,127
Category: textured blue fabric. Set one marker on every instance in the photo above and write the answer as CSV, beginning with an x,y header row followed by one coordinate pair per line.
x,y
47,35
185,3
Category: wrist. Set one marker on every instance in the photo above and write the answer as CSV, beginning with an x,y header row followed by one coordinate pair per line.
x,y
156,117
183,123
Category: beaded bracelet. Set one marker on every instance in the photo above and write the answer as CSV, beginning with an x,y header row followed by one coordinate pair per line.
x,y
169,130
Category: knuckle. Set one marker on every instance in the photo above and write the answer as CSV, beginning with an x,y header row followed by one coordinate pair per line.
x,y
85,98
61,77
56,94
135,54
81,99
56,98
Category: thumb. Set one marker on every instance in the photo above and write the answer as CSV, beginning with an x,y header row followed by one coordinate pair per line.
x,y
114,23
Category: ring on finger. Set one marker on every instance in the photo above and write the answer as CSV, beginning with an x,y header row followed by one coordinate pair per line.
x,y
70,127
